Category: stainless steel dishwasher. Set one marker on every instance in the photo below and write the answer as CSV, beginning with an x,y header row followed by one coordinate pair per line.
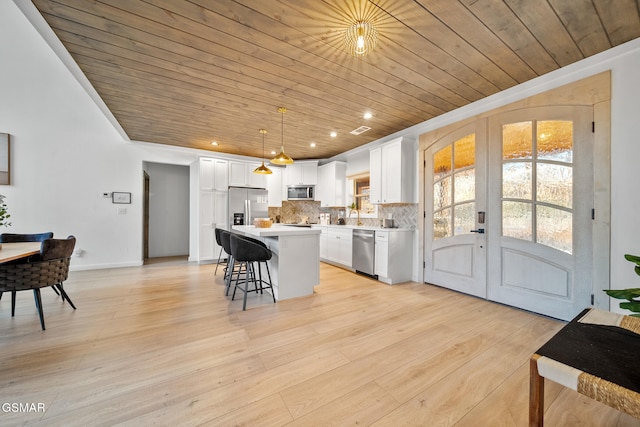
x,y
363,251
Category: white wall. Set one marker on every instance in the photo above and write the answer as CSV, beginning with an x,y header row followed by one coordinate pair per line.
x,y
66,152
358,163
168,209
625,171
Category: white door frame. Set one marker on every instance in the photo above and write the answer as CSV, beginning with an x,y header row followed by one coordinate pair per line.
x,y
600,271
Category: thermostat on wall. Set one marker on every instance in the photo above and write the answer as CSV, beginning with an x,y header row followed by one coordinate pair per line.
x,y
120,197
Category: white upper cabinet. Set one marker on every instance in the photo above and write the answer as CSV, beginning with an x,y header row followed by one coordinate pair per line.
x,y
391,172
255,180
331,187
301,173
241,175
375,175
274,186
213,174
221,175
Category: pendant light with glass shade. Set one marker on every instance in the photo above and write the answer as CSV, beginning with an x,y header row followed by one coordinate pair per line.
x,y
262,169
282,158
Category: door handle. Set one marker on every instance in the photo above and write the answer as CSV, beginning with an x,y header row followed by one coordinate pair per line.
x,y
479,231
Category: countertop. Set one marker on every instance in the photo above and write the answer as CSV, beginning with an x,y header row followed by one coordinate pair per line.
x,y
362,227
275,230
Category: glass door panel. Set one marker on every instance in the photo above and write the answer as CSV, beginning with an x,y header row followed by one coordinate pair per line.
x,y
554,228
516,220
538,154
554,184
464,218
517,141
454,181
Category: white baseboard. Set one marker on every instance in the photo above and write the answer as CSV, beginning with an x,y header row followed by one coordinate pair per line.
x,y
104,266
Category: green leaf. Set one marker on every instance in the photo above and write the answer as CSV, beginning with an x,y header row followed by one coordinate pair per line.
x,y
628,294
632,258
631,306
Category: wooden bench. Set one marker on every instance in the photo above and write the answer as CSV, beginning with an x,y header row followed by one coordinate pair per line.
x,y
597,354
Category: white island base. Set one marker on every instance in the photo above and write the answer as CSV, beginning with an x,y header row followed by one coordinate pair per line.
x,y
295,264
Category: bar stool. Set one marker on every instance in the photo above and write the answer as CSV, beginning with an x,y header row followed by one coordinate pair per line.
x,y
218,233
248,253
225,242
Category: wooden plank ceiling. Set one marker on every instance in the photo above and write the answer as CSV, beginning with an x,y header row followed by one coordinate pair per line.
x,y
187,73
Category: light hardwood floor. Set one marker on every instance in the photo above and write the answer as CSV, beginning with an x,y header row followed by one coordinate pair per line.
x,y
162,345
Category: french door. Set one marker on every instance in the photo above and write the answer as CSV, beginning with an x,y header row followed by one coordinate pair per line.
x,y
510,220
455,175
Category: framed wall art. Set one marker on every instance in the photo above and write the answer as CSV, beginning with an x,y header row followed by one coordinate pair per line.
x,y
5,159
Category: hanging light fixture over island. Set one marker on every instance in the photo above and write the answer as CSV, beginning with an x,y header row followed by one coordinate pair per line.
x,y
282,158
262,169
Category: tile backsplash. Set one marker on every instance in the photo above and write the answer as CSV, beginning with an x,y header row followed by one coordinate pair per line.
x,y
405,215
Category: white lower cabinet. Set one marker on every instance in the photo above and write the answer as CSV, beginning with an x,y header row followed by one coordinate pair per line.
x,y
324,249
393,251
381,257
393,255
339,245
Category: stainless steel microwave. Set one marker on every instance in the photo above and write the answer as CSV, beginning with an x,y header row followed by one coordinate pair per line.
x,y
300,192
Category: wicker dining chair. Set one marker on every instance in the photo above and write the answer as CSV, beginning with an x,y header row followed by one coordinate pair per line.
x,y
51,269
32,237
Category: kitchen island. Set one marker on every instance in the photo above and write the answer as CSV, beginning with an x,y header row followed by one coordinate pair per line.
x,y
295,264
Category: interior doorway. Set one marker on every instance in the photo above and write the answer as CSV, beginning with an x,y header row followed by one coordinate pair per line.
x,y
165,211
145,215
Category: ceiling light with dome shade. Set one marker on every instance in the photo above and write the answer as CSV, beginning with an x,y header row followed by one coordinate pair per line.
x,y
262,169
282,158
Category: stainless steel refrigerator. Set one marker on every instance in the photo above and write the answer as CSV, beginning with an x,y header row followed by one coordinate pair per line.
x,y
247,204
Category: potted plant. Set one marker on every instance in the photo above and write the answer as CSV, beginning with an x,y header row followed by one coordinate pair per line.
x,y
4,215
631,294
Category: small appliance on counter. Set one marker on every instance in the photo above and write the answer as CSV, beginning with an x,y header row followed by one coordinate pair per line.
x,y
325,218
388,222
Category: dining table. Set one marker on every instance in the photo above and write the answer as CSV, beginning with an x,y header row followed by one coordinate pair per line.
x,y
16,250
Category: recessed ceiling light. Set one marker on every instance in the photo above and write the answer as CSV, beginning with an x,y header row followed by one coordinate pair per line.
x,y
333,134
367,115
214,143
273,152
312,145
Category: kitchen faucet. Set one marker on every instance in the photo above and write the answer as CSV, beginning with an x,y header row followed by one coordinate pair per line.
x,y
357,212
